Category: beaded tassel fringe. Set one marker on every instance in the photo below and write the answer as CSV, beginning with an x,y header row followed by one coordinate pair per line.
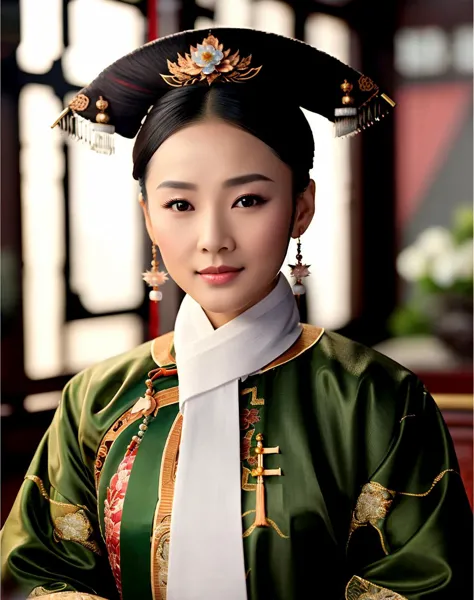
x,y
99,137
350,120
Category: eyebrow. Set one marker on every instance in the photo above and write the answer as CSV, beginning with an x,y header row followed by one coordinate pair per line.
x,y
234,181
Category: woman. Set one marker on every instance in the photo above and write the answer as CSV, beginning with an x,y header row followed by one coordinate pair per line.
x,y
293,458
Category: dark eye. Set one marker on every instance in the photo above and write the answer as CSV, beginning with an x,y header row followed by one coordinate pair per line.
x,y
249,201
178,205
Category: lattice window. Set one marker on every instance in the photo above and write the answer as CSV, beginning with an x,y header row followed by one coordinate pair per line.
x,y
82,242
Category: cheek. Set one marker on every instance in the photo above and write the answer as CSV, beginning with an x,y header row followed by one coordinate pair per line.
x,y
270,235
172,245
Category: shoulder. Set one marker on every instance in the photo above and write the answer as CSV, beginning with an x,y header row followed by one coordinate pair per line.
x,y
356,359
353,368
107,387
322,347
375,382
116,367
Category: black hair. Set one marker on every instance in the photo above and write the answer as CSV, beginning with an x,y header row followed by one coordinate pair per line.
x,y
280,124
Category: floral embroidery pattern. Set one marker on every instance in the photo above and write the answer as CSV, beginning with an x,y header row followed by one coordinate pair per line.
x,y
245,448
248,417
209,61
75,527
373,504
361,589
113,507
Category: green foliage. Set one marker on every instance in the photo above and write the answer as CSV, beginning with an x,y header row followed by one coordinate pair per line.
x,y
463,225
409,319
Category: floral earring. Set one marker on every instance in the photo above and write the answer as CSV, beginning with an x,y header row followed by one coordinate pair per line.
x,y
299,271
155,278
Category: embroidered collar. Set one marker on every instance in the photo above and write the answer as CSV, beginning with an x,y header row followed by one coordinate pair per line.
x,y
162,348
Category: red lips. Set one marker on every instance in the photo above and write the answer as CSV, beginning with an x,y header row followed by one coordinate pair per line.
x,y
221,269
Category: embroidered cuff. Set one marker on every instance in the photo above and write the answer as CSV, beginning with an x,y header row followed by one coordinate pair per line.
x,y
361,589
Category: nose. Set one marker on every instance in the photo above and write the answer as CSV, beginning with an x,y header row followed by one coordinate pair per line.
x,y
214,233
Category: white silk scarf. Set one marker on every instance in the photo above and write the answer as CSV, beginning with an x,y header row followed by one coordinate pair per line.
x,y
206,557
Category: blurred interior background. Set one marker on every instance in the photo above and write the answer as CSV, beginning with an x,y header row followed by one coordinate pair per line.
x,y
390,247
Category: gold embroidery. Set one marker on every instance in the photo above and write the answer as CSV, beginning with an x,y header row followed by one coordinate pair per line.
x,y
361,589
250,530
112,434
310,336
436,480
162,520
406,417
44,493
270,522
247,574
254,401
160,557
161,348
372,505
75,527
162,398
246,486
42,591
70,520
68,596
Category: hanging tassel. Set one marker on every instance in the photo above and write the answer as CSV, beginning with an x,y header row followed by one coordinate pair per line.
x,y
153,320
260,516
99,136
154,278
349,120
301,303
260,472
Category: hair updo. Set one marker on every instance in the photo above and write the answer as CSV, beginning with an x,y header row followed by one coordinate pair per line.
x,y
280,125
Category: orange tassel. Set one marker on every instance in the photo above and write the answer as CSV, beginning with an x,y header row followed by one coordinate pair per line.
x,y
260,517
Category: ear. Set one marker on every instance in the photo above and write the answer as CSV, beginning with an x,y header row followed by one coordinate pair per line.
x,y
304,210
146,214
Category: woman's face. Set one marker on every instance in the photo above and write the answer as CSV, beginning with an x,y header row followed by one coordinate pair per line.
x,y
218,197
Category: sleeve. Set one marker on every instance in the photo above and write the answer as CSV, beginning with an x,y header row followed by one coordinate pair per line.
x,y
411,529
50,543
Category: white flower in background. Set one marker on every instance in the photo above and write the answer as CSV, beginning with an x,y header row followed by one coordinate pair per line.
x,y
465,259
412,263
434,241
444,269
452,266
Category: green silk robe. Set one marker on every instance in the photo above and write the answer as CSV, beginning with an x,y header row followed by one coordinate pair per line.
x,y
369,505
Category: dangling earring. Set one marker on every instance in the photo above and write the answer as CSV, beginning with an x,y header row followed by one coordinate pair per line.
x,y
299,271
155,278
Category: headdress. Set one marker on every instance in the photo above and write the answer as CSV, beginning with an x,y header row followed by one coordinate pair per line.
x,y
117,101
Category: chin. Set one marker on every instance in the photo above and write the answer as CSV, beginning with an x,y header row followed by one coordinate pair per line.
x,y
228,303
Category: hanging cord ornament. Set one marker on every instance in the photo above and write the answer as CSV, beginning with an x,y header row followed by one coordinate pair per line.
x,y
154,278
299,272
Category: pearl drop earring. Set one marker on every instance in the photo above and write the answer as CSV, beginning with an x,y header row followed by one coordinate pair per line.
x,y
155,278
299,271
